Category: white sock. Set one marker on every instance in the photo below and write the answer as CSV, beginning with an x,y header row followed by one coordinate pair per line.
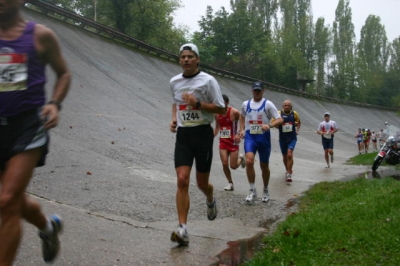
x,y
49,227
252,187
184,226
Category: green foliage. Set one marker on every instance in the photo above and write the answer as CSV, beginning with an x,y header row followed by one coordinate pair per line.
x,y
343,50
373,52
392,84
322,51
148,21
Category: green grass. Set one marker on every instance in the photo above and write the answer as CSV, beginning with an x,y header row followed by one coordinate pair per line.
x,y
363,159
340,223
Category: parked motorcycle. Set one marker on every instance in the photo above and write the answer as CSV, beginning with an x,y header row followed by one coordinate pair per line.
x,y
390,152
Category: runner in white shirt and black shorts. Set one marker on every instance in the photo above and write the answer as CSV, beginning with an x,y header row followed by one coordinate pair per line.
x,y
196,98
327,130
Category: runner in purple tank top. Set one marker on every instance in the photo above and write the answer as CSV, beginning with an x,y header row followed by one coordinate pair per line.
x,y
25,49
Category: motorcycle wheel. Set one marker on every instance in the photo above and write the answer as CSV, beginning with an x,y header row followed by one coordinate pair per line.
x,y
377,162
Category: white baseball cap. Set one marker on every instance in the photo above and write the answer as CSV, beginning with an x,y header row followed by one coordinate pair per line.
x,y
190,47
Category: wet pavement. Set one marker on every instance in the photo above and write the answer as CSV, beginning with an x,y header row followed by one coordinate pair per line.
x,y
110,170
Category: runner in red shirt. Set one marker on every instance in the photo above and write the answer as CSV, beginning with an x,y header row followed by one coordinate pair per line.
x,y
226,128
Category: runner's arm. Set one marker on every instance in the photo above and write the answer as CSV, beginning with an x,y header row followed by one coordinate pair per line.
x,y
297,122
241,126
173,123
49,51
216,129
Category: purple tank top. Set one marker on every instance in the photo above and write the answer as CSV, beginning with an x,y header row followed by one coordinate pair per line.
x,y
22,75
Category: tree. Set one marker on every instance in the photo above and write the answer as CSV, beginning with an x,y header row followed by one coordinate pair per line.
x,y
322,52
392,80
373,52
344,79
213,38
296,37
148,21
228,38
267,11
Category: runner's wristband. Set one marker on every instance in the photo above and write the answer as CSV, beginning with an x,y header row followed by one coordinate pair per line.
x,y
58,104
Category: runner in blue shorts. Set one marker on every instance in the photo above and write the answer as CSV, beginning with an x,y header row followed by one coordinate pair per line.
x,y
359,136
255,127
288,136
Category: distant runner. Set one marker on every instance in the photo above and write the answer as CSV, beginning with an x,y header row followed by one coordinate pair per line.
x,y
327,130
288,136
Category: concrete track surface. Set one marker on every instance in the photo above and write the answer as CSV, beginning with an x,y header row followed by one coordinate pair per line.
x,y
110,171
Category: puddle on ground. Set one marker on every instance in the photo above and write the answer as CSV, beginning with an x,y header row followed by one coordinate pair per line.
x,y
243,250
374,174
240,251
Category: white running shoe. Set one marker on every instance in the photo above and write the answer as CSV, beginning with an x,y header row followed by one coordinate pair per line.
x,y
265,196
211,210
180,235
243,162
251,197
229,187
288,177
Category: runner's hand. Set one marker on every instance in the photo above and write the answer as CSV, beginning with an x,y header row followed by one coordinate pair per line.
x,y
237,138
172,126
50,115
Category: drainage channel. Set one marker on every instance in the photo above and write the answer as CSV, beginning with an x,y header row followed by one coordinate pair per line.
x,y
242,250
380,173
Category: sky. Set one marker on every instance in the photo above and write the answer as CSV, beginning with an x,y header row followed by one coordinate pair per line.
x,y
387,10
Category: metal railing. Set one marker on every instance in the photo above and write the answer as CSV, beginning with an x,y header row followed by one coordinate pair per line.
x,y
107,32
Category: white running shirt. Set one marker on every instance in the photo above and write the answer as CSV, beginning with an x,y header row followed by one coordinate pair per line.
x,y
205,88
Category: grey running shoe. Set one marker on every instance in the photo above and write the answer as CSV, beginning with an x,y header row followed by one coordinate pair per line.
x,y
288,177
243,162
251,197
211,210
180,235
50,242
229,187
265,196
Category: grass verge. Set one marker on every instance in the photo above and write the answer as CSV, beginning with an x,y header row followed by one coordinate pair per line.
x,y
363,159
339,223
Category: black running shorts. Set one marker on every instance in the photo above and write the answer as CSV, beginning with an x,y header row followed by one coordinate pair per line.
x,y
20,133
327,143
194,143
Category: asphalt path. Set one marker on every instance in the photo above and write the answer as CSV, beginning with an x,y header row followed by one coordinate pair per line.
x,y
110,171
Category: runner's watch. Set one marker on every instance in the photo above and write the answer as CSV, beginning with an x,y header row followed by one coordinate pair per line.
x,y
57,103
198,104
